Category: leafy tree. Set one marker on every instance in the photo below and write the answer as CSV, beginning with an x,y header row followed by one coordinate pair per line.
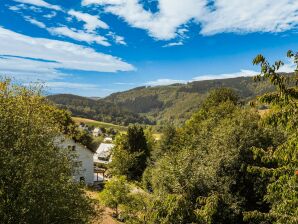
x,y
131,154
83,137
279,164
219,95
115,193
206,166
36,184
165,145
122,160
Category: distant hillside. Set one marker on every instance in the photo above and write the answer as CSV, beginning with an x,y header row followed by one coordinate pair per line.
x,y
174,103
177,102
97,109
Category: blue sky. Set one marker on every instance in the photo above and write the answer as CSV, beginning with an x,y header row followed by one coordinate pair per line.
x,y
97,47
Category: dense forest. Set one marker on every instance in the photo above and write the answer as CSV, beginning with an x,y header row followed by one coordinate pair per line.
x,y
97,109
157,105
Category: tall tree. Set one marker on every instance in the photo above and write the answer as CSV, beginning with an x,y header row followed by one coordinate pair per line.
x,y
36,184
278,166
131,153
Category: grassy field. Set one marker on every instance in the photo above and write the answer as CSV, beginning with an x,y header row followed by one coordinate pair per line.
x,y
93,123
122,129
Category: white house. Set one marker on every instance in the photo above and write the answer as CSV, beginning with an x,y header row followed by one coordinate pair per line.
x,y
97,132
84,157
103,153
108,140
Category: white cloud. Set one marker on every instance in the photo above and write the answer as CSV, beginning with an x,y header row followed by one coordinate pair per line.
x,y
161,25
91,22
14,8
47,57
118,39
288,67
27,69
79,35
251,16
39,3
50,15
242,73
214,17
180,43
164,82
124,83
70,85
35,22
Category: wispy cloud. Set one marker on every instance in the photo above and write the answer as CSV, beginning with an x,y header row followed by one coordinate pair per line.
x,y
218,17
180,43
22,55
162,25
164,82
117,39
70,85
35,22
91,22
241,73
288,67
39,3
50,15
79,35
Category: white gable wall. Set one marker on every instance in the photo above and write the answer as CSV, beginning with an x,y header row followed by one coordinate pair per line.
x,y
85,158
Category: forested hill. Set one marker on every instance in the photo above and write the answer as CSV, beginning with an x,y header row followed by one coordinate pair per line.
x,y
97,109
178,101
159,104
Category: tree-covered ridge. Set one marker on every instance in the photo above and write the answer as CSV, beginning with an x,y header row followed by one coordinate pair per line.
x,y
97,109
177,102
157,105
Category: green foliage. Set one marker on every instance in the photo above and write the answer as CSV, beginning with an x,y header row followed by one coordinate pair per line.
x,y
165,145
115,193
204,164
97,109
279,165
83,137
36,184
220,95
157,105
130,154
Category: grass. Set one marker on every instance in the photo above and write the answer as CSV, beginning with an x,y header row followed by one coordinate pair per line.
x,y
157,136
94,123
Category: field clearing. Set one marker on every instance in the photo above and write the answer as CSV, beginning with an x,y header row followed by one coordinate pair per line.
x,y
93,123
263,112
157,136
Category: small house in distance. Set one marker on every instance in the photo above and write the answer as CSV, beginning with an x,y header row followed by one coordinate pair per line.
x,y
84,156
108,140
97,132
103,153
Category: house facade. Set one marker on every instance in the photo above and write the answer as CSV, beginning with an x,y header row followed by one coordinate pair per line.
x,y
84,156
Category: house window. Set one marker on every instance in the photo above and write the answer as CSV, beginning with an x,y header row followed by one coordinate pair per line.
x,y
82,179
72,147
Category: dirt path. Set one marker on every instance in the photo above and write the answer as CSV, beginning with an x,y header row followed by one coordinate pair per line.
x,y
103,217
